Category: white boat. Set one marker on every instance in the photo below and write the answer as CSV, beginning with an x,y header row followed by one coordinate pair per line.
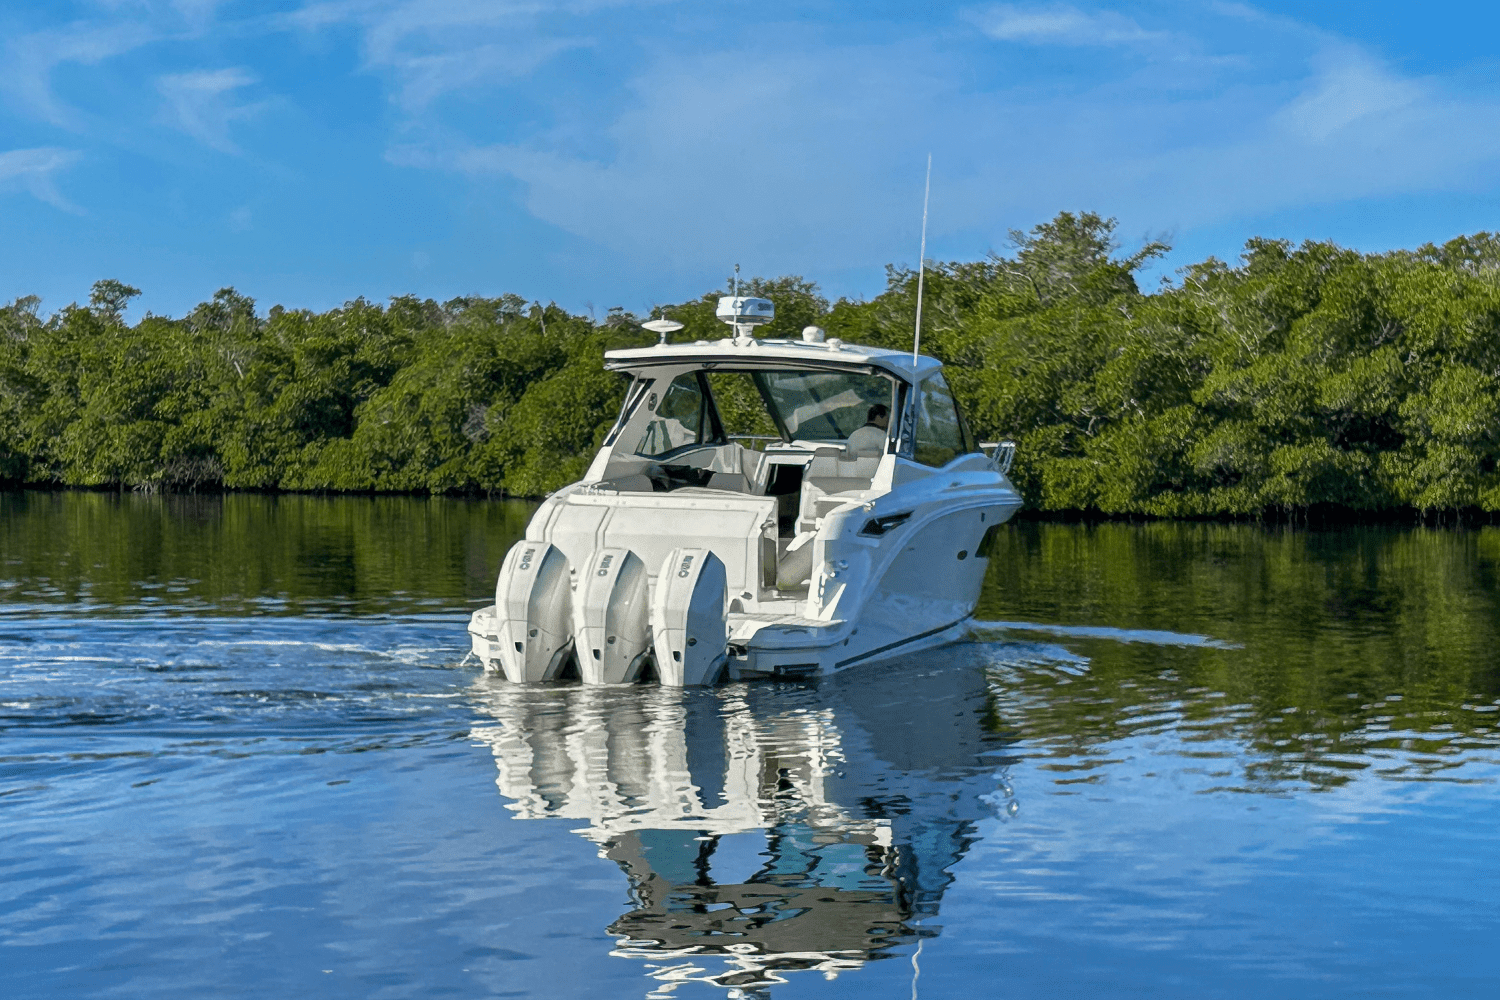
x,y
760,508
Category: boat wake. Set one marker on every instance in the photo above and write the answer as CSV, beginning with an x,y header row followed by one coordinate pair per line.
x,y
983,631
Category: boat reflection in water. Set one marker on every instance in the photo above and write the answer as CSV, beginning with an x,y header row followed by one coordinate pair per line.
x,y
764,829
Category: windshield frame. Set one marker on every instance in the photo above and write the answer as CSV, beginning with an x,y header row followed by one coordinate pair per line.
x,y
774,409
651,368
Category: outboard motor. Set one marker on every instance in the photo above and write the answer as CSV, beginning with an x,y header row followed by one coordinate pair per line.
x,y
613,634
533,605
688,614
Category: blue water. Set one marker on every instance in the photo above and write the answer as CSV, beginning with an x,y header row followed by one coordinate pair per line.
x,y
1182,761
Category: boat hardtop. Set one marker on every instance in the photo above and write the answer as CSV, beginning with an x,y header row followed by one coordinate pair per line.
x,y
829,353
767,507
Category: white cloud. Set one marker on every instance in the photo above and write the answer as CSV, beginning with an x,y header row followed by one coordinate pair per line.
x,y
1356,130
437,47
814,163
734,153
424,78
201,104
1354,88
33,170
26,72
1059,24
30,60
197,13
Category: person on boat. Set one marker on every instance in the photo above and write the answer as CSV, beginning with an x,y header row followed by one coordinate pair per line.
x,y
870,439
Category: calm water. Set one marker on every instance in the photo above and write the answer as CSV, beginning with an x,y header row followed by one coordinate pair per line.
x,y
241,756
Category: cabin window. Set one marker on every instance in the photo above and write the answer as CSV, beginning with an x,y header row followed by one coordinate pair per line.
x,y
633,398
941,433
681,418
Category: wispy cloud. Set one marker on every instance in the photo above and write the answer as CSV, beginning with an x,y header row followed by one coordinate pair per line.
x,y
197,13
1355,91
30,59
32,170
833,185
684,139
1060,24
201,104
26,73
437,47
425,78
817,187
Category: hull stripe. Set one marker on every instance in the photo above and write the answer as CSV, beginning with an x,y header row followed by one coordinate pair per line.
x,y
900,642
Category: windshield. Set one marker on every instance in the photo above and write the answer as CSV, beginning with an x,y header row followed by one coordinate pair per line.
x,y
823,405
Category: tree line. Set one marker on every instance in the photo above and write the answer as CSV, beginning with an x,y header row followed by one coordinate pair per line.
x,y
1297,376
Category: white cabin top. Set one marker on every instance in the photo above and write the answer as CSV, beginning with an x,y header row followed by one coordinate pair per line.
x,y
831,353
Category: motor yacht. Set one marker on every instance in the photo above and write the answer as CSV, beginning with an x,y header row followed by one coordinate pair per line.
x,y
760,508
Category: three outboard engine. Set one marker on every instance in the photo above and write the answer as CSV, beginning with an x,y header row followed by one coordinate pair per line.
x,y
608,614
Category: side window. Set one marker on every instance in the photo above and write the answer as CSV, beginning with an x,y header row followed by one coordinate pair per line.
x,y
941,436
633,398
680,419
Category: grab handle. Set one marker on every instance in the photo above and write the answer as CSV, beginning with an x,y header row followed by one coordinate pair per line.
x,y
1003,453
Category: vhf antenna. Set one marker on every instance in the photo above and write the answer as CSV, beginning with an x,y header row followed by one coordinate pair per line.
x,y
736,281
916,344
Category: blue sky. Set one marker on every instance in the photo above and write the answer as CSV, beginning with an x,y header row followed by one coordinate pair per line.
x,y
605,152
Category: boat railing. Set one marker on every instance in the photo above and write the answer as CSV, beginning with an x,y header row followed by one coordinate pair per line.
x,y
1002,453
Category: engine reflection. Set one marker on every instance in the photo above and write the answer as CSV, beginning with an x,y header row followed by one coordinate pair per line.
x,y
764,829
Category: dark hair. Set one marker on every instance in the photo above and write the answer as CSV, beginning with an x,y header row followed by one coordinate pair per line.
x,y
878,410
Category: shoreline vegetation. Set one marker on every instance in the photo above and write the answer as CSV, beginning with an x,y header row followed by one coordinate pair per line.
x,y
1302,382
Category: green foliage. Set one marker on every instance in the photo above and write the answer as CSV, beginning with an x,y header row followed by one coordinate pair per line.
x,y
470,396
1303,376
1298,376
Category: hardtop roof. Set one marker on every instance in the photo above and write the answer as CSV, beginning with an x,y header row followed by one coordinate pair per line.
x,y
760,352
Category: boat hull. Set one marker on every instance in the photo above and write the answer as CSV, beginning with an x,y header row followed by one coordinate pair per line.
x,y
913,590
839,650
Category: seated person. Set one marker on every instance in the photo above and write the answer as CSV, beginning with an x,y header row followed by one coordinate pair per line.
x,y
871,438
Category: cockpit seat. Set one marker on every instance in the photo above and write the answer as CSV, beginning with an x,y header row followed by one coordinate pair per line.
x,y
829,474
833,473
